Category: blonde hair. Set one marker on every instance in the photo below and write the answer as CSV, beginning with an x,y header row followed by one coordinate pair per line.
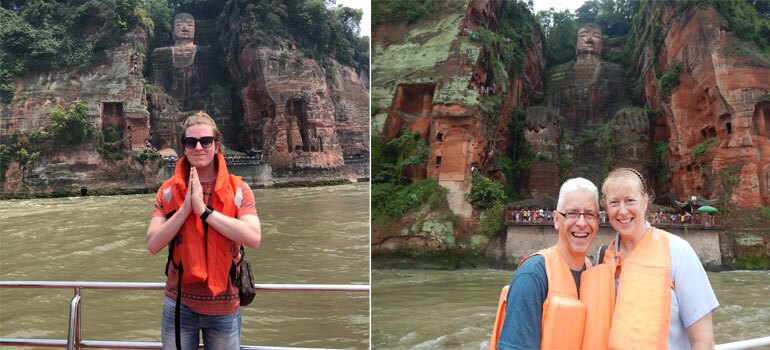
x,y
202,118
629,177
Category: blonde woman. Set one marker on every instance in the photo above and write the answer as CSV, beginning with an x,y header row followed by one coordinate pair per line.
x,y
203,214
663,295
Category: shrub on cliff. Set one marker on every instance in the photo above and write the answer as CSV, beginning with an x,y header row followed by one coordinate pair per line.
x,y
71,127
395,200
485,192
670,80
491,220
392,194
400,11
391,160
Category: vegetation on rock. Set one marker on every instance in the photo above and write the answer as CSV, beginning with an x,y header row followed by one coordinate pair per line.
x,y
400,11
316,29
37,36
485,192
392,192
71,126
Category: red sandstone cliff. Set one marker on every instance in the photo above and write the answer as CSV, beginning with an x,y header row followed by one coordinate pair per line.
x,y
114,92
724,92
308,118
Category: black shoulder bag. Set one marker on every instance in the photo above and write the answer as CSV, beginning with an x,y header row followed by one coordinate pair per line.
x,y
245,281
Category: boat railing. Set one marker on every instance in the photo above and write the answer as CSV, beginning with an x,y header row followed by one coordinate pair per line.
x,y
74,331
744,344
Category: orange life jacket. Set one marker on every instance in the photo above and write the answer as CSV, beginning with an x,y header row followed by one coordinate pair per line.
x,y
643,303
597,291
563,313
203,253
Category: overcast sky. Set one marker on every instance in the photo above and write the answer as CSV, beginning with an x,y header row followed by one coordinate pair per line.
x,y
558,5
366,21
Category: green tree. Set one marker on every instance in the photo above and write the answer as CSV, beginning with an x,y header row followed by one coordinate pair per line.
x,y
394,157
746,22
485,192
160,14
40,35
560,41
71,126
400,11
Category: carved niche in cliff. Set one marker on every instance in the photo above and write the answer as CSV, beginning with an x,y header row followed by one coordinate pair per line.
x,y
543,133
412,109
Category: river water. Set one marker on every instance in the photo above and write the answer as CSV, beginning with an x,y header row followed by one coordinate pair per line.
x,y
421,309
314,235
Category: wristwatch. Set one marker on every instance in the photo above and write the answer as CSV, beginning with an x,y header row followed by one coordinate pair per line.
x,y
205,214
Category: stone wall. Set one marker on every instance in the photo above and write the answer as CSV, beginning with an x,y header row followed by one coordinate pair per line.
x,y
520,241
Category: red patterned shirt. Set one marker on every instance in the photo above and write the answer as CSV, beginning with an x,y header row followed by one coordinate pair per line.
x,y
197,297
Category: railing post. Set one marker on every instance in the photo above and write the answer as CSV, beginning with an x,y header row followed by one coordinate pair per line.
x,y
73,331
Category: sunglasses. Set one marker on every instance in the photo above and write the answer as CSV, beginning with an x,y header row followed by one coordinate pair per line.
x,y
191,142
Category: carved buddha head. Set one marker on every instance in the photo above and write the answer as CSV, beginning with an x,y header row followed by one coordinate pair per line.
x,y
589,42
184,29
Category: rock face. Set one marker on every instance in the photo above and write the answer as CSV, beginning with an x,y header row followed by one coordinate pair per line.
x,y
723,93
308,119
114,93
303,115
571,134
288,110
426,79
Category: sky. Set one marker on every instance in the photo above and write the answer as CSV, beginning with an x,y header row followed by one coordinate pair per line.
x,y
366,20
558,5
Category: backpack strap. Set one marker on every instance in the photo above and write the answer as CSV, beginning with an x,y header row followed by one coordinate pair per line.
x,y
234,275
171,245
180,271
602,252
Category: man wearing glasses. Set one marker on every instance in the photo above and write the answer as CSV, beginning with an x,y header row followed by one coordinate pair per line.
x,y
543,308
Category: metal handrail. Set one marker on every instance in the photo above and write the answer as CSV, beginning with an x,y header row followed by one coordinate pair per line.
x,y
74,339
744,344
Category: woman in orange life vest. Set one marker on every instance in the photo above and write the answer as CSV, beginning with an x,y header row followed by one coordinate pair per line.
x,y
663,298
543,310
203,215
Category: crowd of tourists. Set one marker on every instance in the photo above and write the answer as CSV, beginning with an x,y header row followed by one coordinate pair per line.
x,y
236,159
660,218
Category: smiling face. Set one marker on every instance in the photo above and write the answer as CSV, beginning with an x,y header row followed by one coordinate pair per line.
x,y
626,205
199,156
576,235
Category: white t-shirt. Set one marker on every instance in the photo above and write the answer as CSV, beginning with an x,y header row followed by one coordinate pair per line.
x,y
692,297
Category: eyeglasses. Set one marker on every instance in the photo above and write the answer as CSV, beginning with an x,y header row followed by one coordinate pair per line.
x,y
191,142
573,215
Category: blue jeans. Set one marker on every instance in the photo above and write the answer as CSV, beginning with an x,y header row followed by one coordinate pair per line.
x,y
219,332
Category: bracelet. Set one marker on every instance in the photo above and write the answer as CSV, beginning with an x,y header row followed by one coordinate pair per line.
x,y
206,214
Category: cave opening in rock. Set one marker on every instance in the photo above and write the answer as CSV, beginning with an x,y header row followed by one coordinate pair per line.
x,y
725,121
113,121
416,100
761,119
298,108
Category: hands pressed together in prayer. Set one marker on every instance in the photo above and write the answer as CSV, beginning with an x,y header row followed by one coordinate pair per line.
x,y
194,197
